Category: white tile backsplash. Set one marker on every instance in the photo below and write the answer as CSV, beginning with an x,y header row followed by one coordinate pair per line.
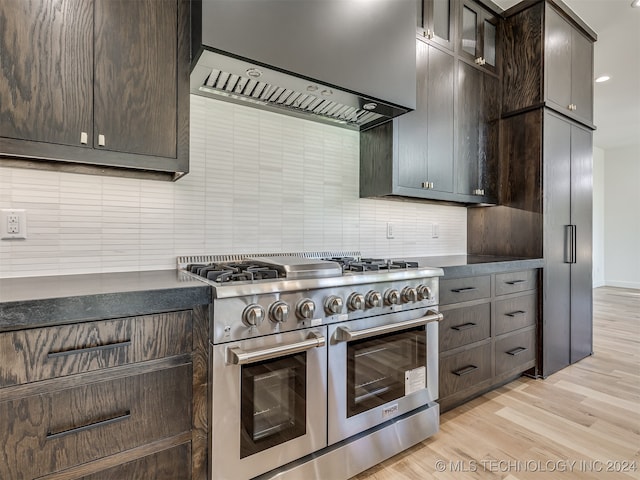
x,y
258,182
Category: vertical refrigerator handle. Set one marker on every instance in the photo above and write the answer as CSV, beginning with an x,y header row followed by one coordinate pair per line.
x,y
570,245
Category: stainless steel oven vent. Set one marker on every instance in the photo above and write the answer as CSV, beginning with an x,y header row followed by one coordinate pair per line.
x,y
242,88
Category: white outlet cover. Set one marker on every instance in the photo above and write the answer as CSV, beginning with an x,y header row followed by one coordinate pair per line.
x,y
17,227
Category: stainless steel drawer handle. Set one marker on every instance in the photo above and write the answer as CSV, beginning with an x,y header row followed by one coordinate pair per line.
x,y
516,351
465,370
117,418
517,313
97,348
464,289
464,326
515,282
237,356
345,334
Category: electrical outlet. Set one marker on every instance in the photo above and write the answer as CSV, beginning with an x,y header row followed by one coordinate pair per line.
x,y
435,230
390,230
13,224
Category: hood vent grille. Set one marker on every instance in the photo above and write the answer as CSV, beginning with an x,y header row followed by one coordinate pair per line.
x,y
236,87
235,80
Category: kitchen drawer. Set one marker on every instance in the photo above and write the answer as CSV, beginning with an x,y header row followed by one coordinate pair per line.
x,y
515,313
171,464
464,369
462,326
46,433
464,289
514,351
42,353
515,282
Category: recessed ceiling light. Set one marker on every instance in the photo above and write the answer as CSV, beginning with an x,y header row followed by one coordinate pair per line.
x,y
604,78
635,3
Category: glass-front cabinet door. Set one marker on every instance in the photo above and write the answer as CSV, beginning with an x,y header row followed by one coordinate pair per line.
x,y
435,21
478,35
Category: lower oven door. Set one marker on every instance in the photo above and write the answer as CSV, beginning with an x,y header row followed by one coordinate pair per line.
x,y
380,368
268,402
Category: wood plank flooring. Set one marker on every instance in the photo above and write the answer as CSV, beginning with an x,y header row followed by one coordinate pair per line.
x,y
582,422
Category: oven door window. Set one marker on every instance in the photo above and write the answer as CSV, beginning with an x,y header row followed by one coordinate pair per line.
x,y
384,368
273,405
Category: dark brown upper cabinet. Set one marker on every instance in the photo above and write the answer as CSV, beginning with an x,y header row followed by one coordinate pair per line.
x,y
436,21
477,133
478,36
413,155
548,61
96,82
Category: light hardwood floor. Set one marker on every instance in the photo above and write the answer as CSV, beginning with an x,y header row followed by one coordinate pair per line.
x,y
582,422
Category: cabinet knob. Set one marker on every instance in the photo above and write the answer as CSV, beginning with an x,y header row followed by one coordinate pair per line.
x,y
573,107
101,142
84,138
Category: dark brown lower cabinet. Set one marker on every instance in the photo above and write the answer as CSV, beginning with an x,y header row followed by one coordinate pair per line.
x,y
171,464
113,399
488,334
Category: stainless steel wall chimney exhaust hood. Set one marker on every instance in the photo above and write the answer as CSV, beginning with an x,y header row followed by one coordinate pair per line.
x,y
345,62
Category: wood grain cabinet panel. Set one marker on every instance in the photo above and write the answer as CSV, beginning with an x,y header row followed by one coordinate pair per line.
x,y
464,289
43,353
50,432
171,464
95,83
463,370
515,313
515,282
515,351
465,325
488,334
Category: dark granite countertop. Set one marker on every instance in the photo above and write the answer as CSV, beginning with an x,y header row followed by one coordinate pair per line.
x,y
455,266
28,302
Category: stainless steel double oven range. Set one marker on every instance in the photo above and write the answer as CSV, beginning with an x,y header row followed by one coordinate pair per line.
x,y
321,365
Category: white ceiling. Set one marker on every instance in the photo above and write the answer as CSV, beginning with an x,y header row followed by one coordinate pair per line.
x,y
617,54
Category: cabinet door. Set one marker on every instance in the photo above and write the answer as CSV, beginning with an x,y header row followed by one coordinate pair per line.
x,y
582,76
46,76
425,136
477,132
557,218
435,21
136,76
478,36
557,64
581,217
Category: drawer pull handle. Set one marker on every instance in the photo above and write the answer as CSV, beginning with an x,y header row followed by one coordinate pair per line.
x,y
465,370
517,313
517,351
464,326
97,348
515,282
464,289
101,423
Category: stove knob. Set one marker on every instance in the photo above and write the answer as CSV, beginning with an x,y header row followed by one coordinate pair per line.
x,y
253,315
373,299
424,292
409,294
356,301
306,309
333,305
392,296
278,312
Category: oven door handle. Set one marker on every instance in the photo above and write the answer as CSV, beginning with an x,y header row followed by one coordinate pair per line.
x,y
237,356
345,334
